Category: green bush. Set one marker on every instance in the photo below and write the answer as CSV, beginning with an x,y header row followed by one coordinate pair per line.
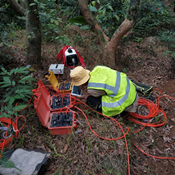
x,y
16,85
168,37
151,18
109,14
9,23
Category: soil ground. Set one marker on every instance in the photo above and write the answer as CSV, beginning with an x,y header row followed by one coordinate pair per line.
x,y
82,152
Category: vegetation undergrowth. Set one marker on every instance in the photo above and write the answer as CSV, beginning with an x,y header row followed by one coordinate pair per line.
x,y
62,24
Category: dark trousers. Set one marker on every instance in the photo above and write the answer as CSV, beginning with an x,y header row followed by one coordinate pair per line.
x,y
95,103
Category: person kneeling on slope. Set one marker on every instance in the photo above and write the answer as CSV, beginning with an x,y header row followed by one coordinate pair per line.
x,y
109,91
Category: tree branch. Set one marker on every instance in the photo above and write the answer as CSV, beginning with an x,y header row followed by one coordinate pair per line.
x,y
92,22
133,8
17,7
126,25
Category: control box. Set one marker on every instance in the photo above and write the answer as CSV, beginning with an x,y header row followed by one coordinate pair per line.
x,y
64,86
61,122
60,101
61,119
57,68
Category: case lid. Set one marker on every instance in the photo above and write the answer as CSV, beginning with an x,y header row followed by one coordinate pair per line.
x,y
41,103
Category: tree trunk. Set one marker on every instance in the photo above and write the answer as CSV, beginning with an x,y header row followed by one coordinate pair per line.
x,y
110,47
33,34
17,7
126,26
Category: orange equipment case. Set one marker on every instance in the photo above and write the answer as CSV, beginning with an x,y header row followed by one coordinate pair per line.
x,y
42,105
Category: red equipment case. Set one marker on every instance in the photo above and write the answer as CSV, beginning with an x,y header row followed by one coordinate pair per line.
x,y
42,105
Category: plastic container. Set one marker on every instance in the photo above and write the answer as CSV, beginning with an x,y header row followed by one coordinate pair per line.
x,y
43,106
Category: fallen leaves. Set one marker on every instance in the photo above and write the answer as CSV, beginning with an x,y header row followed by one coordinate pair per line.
x,y
172,133
65,147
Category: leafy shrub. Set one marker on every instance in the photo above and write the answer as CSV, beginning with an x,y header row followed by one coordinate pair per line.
x,y
110,14
68,8
9,111
168,37
51,15
151,18
9,23
16,84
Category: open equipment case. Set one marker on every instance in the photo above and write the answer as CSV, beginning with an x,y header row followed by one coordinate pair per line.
x,y
61,87
54,111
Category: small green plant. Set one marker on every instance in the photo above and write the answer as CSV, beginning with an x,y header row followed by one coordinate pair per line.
x,y
16,84
138,39
9,110
6,163
114,144
88,142
59,172
68,142
125,70
108,171
111,171
21,141
53,147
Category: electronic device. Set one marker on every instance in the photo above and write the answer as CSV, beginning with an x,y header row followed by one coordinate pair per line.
x,y
76,90
65,86
60,101
71,57
57,68
61,119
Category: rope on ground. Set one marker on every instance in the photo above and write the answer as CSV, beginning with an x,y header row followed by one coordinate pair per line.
x,y
7,122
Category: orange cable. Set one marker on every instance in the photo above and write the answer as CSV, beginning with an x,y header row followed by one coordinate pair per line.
x,y
154,110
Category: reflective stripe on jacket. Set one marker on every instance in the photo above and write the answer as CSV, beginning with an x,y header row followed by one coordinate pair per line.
x,y
120,91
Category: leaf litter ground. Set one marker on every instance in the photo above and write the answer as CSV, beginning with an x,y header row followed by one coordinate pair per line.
x,y
82,152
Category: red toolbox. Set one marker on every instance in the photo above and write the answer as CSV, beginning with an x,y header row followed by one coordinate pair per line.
x,y
54,111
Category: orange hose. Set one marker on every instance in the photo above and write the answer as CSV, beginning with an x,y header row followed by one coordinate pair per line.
x,y
154,110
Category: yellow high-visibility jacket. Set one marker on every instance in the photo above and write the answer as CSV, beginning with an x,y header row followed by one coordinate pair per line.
x,y
120,91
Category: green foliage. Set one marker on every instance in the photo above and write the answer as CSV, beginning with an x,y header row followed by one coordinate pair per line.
x,y
138,39
151,17
64,40
51,15
109,13
168,37
9,110
9,23
5,163
79,21
88,142
16,84
68,8
50,24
